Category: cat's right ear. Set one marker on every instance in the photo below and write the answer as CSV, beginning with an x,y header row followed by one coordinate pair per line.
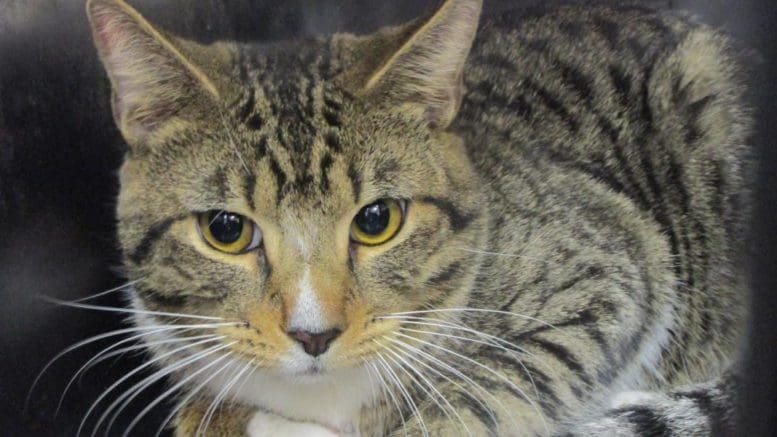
x,y
423,72
155,84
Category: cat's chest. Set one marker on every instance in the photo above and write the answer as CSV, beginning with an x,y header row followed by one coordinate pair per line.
x,y
332,406
264,424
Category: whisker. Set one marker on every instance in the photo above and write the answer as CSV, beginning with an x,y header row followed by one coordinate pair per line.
x,y
372,381
93,339
433,388
237,379
186,400
112,290
412,378
473,310
384,386
445,377
495,340
405,394
138,388
218,401
133,372
202,427
508,255
216,217
498,342
175,388
254,368
488,369
457,373
472,340
148,345
126,310
97,358
232,143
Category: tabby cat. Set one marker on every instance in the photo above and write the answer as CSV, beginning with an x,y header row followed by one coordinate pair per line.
x,y
508,226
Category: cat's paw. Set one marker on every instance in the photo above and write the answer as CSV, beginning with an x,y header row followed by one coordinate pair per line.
x,y
628,398
270,425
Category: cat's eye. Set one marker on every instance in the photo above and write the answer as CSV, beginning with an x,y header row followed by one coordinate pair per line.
x,y
378,222
229,232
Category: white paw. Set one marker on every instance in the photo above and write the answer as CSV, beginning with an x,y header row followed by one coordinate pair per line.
x,y
626,398
270,425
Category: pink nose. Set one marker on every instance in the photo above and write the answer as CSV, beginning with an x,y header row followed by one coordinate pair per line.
x,y
316,343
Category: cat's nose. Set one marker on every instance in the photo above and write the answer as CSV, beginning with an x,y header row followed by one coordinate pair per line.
x,y
315,343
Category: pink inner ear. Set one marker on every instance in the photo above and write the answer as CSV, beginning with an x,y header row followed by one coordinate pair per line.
x,y
107,27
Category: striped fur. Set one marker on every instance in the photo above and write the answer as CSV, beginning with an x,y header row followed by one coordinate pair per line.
x,y
575,178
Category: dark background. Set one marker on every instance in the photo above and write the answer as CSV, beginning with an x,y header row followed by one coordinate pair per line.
x,y
59,153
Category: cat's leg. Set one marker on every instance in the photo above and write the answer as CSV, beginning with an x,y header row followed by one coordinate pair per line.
x,y
226,422
702,410
268,425
237,421
441,425
476,407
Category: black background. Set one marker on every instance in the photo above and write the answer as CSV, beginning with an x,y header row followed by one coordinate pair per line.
x,y
59,153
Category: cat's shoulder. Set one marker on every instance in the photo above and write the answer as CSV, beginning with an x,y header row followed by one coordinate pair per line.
x,y
612,21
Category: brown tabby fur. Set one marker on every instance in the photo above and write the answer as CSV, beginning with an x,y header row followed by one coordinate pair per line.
x,y
577,172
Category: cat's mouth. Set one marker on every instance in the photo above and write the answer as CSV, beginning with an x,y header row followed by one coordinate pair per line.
x,y
307,369
315,368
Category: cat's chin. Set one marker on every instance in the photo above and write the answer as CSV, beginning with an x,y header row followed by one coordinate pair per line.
x,y
313,373
309,390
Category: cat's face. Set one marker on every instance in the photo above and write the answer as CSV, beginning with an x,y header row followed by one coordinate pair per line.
x,y
297,197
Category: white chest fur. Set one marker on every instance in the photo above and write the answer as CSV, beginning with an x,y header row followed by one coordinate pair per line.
x,y
329,406
271,425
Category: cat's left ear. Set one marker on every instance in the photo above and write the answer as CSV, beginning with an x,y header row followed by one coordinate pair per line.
x,y
425,75
158,81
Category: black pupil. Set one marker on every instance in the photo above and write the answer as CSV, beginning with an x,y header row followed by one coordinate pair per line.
x,y
373,219
226,227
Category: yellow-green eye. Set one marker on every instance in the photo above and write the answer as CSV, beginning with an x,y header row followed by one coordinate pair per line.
x,y
377,222
229,232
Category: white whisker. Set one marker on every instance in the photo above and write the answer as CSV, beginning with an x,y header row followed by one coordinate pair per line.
x,y
232,143
202,427
138,388
215,217
254,368
508,255
445,377
148,345
488,369
472,340
372,381
185,400
95,338
128,310
415,381
457,373
173,389
95,360
405,394
495,341
112,290
384,386
431,387
472,310
135,371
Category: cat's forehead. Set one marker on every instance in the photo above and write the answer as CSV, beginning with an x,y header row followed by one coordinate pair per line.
x,y
290,98
296,138
291,81
303,128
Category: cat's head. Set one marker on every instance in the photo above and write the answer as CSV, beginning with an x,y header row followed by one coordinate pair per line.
x,y
299,192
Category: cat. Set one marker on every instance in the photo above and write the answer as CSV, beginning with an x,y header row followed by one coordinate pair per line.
x,y
454,226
